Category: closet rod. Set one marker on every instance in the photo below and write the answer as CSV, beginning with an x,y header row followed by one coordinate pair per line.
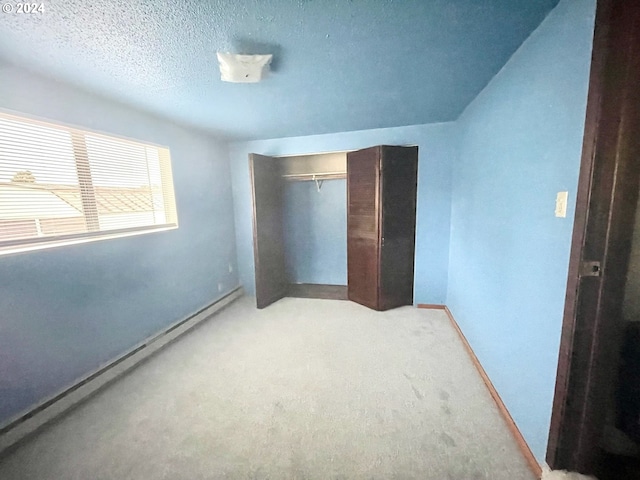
x,y
306,177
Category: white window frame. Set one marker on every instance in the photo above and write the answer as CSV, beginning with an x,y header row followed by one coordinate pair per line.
x,y
88,196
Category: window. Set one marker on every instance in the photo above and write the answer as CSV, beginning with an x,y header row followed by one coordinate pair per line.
x,y
61,185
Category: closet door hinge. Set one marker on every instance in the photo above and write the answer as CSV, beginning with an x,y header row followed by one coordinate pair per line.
x,y
590,268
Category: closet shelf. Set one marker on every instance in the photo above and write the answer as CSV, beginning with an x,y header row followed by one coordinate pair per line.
x,y
310,177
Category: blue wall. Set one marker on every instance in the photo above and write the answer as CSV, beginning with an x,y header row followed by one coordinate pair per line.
x,y
436,152
316,226
68,310
519,144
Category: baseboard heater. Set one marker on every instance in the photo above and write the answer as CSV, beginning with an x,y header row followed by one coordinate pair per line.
x,y
28,422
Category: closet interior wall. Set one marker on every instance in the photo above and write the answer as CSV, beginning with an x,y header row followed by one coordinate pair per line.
x,y
305,198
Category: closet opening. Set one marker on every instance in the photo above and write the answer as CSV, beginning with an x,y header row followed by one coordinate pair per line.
x,y
315,222
300,226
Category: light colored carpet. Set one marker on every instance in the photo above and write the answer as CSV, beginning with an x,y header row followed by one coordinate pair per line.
x,y
305,389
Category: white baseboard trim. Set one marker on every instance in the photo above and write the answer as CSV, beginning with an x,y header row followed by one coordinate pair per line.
x,y
26,423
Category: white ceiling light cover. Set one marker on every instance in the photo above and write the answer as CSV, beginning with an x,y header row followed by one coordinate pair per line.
x,y
243,68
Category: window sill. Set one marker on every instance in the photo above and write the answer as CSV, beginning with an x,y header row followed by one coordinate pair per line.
x,y
45,244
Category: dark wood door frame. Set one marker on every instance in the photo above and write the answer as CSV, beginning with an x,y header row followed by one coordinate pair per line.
x,y
606,200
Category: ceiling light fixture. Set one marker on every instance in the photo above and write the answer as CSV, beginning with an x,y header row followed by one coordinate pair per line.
x,y
243,68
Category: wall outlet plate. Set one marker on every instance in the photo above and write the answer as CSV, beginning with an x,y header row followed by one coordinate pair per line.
x,y
561,204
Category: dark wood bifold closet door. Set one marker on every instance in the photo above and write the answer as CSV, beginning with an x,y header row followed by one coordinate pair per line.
x,y
381,185
362,226
398,225
268,235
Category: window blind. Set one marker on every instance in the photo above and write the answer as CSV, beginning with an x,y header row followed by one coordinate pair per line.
x,y
60,183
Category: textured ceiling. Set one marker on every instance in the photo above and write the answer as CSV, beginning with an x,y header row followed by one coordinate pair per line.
x,y
339,65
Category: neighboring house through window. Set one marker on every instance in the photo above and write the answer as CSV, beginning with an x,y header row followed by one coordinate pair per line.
x,y
60,185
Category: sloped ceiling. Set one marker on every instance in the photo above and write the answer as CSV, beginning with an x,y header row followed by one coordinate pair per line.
x,y
339,65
